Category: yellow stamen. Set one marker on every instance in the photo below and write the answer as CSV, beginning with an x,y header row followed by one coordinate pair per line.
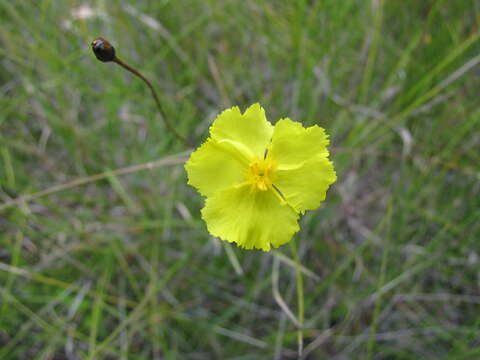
x,y
261,174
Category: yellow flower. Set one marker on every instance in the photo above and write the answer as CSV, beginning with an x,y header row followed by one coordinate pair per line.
x,y
258,177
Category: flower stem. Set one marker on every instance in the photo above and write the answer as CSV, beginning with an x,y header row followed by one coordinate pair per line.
x,y
300,298
155,97
105,52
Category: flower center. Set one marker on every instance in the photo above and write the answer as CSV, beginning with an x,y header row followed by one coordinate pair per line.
x,y
260,174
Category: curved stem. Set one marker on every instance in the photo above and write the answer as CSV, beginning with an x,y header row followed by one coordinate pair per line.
x,y
155,97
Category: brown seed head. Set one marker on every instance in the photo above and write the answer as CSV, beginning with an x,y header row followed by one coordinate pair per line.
x,y
103,50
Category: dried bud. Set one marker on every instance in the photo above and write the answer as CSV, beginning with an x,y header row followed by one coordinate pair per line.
x,y
103,50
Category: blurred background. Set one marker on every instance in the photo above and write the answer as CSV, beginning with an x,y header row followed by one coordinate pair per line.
x,y
105,261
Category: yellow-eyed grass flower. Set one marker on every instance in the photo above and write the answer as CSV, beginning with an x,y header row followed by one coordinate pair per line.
x,y
258,178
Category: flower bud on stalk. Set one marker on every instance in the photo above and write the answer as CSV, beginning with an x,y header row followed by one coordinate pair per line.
x,y
105,52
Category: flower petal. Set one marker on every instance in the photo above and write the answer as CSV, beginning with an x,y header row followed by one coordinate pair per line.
x,y
215,166
293,144
304,172
250,128
252,219
305,187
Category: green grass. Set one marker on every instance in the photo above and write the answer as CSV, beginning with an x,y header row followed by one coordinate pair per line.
x,y
120,265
